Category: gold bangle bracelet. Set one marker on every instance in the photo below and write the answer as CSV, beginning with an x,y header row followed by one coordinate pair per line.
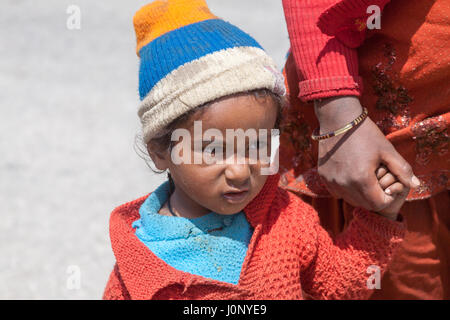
x,y
354,123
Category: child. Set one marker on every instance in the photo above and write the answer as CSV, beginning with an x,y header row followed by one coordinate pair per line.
x,y
224,229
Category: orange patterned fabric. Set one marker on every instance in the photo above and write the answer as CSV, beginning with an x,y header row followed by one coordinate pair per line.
x,y
405,67
289,253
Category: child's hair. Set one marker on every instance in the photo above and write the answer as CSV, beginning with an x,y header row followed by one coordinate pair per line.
x,y
162,141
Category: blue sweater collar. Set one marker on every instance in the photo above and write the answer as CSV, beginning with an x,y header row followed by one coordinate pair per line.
x,y
159,227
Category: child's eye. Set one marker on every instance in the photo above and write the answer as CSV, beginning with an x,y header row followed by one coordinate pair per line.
x,y
260,144
209,149
254,145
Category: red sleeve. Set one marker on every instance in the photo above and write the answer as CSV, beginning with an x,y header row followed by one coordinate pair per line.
x,y
347,20
341,268
115,288
325,66
323,35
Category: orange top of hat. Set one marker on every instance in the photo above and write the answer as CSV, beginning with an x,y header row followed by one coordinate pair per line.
x,y
162,16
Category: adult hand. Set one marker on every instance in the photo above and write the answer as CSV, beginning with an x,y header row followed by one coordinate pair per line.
x,y
348,162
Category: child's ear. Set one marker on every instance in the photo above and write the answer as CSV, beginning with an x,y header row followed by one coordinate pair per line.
x,y
159,158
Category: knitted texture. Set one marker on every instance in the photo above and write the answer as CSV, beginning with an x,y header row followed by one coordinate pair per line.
x,y
405,66
288,252
326,66
190,57
347,20
213,245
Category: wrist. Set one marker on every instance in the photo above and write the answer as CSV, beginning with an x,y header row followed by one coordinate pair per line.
x,y
392,217
333,113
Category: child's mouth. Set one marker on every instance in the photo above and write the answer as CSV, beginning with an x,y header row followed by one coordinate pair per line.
x,y
236,197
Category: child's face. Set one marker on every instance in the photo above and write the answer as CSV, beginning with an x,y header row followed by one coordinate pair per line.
x,y
212,187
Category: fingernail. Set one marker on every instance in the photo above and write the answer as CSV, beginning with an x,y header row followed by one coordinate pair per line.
x,y
415,181
388,191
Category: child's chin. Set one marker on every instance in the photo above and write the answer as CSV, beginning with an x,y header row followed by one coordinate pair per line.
x,y
231,209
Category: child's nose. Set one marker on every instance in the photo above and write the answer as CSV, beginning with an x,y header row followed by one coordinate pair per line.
x,y
238,174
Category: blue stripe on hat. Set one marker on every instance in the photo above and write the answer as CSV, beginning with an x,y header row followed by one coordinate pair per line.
x,y
173,49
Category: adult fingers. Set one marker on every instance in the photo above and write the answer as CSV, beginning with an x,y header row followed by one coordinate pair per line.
x,y
374,195
381,171
400,168
350,195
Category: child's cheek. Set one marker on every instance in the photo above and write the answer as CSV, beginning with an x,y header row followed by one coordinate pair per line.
x,y
199,180
260,180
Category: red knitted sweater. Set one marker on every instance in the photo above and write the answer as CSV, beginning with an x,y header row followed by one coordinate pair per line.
x,y
288,253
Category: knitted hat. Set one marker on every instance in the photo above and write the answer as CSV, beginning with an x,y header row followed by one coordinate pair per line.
x,y
190,57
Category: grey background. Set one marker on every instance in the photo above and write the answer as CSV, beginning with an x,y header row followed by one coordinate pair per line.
x,y
68,102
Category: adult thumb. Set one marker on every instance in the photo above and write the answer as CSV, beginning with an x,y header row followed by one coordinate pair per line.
x,y
400,168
